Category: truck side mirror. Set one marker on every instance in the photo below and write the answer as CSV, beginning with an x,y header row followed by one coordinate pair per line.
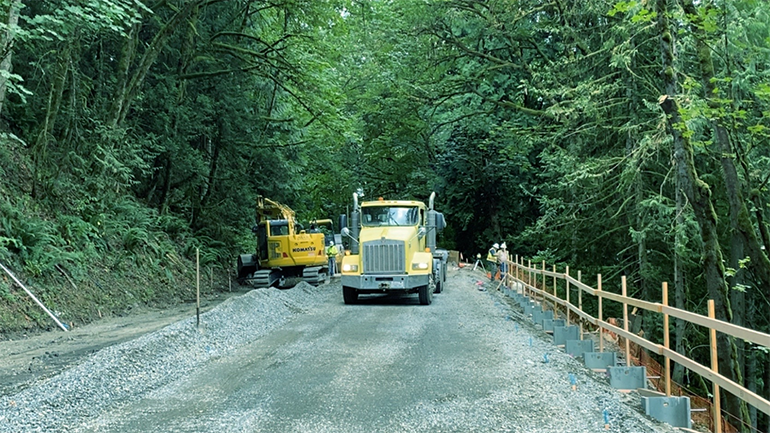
x,y
440,222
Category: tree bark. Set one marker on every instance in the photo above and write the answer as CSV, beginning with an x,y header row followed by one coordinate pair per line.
x,y
55,96
740,218
6,48
743,236
131,85
680,289
698,194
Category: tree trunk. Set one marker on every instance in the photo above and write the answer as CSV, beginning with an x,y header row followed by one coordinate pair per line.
x,y
130,86
699,196
680,290
743,236
636,215
751,382
124,69
739,214
6,48
55,96
766,391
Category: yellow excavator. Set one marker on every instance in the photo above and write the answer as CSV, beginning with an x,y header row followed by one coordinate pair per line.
x,y
286,252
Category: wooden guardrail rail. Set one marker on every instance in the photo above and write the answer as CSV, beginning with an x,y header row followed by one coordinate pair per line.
x,y
529,277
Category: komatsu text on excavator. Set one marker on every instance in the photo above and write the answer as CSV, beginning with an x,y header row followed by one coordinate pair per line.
x,y
286,252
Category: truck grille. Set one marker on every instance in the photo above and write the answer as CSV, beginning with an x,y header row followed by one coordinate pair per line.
x,y
384,257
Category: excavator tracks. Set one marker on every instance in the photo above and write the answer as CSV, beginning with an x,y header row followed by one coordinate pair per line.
x,y
315,275
264,278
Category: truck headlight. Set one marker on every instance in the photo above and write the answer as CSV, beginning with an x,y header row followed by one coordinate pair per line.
x,y
419,266
349,268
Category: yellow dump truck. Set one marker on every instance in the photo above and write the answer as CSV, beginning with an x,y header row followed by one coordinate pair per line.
x,y
393,249
286,253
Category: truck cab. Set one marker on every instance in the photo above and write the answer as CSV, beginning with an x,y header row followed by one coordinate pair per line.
x,y
393,249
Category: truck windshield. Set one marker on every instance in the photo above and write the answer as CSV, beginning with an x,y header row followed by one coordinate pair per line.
x,y
389,216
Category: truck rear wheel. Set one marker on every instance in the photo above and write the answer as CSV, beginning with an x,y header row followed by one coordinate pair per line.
x,y
350,295
425,294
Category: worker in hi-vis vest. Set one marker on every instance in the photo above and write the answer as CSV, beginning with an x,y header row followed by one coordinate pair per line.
x,y
331,252
492,259
502,260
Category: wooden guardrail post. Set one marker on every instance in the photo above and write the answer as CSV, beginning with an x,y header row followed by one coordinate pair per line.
x,y
566,283
529,270
525,277
601,317
197,287
715,368
555,295
666,343
545,286
580,301
625,320
517,266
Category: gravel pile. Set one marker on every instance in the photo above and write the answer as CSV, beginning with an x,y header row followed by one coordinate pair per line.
x,y
130,370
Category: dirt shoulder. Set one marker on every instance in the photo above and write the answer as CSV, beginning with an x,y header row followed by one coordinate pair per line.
x,y
29,359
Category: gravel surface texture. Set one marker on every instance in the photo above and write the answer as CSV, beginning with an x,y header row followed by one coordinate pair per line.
x,y
300,360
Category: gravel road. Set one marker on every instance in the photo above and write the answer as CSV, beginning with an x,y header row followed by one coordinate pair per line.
x,y
300,360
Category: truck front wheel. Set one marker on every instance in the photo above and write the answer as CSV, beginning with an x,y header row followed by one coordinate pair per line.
x,y
425,294
350,295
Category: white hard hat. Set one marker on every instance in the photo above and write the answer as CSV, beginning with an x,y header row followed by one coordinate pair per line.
x,y
503,246
495,246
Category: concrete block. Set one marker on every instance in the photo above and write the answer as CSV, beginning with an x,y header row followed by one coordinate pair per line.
x,y
523,302
563,333
577,348
530,308
537,314
600,360
627,377
541,314
672,410
549,324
